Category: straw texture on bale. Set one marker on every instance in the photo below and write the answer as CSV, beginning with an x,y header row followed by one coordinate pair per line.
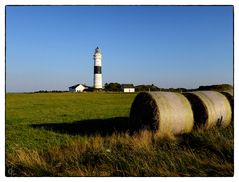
x,y
164,112
230,92
229,96
210,108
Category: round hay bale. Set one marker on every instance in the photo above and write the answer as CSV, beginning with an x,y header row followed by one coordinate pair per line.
x,y
164,112
229,96
230,92
210,108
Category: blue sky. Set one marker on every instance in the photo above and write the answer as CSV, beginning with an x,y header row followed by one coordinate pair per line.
x,y
51,47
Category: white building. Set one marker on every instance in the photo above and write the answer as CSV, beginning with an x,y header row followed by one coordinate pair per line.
x,y
128,88
78,88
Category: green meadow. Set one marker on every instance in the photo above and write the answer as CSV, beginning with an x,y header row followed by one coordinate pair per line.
x,y
85,134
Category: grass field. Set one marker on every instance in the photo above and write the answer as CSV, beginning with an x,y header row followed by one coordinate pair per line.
x,y
84,134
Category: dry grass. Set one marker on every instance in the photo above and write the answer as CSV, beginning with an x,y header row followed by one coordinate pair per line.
x,y
203,153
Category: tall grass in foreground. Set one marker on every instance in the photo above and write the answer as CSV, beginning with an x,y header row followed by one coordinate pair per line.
x,y
201,153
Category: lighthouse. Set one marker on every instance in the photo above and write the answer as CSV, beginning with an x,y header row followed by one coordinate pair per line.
x,y
97,69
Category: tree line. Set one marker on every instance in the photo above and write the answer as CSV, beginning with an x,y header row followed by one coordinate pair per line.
x,y
117,87
114,86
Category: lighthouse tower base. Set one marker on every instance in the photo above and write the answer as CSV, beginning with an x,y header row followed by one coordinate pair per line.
x,y
98,81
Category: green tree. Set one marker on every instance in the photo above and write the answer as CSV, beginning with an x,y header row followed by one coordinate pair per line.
x,y
112,87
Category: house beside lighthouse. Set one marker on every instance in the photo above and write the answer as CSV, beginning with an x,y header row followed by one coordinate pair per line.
x,y
97,83
78,88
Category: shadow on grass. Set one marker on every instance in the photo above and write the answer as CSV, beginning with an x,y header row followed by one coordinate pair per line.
x,y
102,127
